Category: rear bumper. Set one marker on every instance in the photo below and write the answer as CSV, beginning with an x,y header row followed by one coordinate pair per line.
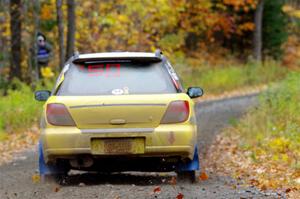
x,y
164,141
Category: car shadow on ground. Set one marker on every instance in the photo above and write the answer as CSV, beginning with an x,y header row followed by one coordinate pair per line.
x,y
124,178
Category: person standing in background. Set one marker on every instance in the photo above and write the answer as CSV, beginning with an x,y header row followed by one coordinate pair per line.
x,y
44,52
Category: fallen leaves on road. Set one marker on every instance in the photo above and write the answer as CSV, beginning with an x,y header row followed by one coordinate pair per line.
x,y
56,189
17,142
226,158
157,189
180,196
203,176
36,178
173,181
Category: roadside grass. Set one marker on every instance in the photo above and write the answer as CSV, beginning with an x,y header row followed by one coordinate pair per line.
x,y
264,147
274,127
216,80
19,110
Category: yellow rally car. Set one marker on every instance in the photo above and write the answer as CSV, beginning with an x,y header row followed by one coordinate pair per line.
x,y
119,111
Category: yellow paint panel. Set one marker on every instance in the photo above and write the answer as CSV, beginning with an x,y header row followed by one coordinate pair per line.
x,y
137,111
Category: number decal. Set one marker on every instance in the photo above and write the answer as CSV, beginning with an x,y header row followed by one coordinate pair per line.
x,y
95,70
116,73
108,70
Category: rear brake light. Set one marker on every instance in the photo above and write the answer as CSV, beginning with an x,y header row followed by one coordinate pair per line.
x,y
58,115
177,111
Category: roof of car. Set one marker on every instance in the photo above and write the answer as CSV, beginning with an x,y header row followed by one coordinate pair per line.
x,y
118,56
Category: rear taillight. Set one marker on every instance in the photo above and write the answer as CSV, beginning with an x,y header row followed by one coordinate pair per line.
x,y
177,111
58,115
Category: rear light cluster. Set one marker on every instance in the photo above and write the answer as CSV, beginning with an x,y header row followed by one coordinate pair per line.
x,y
58,115
177,111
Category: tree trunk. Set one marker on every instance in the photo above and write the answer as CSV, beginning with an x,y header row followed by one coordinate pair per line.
x,y
71,28
60,32
257,39
34,65
15,28
2,38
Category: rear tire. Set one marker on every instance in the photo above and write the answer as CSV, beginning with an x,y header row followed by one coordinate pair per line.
x,y
186,176
58,174
63,168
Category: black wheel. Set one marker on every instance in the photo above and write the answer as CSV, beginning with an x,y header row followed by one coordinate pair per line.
x,y
58,178
186,176
59,175
61,178
63,168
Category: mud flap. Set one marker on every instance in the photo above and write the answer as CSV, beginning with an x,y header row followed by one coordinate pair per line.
x,y
192,165
45,169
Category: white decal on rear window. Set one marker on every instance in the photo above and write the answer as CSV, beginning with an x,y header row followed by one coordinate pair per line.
x,y
117,91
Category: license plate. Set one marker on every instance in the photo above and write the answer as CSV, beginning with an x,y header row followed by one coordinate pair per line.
x,y
118,146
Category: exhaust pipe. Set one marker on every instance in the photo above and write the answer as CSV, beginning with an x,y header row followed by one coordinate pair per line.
x,y
82,162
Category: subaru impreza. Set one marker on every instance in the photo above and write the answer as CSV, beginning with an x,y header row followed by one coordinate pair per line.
x,y
118,111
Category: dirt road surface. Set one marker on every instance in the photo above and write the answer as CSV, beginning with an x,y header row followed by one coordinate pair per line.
x,y
16,178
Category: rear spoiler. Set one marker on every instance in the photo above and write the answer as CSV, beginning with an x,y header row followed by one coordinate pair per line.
x,y
117,57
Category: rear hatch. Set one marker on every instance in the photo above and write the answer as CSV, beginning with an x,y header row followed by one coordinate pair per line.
x,y
130,111
119,94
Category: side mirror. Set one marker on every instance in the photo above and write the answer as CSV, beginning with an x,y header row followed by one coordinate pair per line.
x,y
194,92
42,95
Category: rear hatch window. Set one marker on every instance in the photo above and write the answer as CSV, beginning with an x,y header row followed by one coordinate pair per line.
x,y
118,78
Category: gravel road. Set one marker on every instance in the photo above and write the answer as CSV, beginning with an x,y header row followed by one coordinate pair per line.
x,y
16,178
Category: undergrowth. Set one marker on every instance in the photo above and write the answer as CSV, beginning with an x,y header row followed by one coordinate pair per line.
x,y
18,108
274,126
216,80
271,132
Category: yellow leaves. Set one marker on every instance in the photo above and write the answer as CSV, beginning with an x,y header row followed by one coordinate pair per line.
x,y
279,144
77,35
5,28
248,26
285,158
287,8
35,178
47,72
87,4
291,11
259,151
296,14
241,4
47,12
123,18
